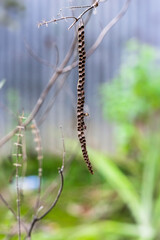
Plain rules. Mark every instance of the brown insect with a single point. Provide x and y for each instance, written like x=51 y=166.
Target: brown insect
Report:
x=81 y=95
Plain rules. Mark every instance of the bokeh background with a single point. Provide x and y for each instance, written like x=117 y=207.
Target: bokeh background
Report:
x=121 y=200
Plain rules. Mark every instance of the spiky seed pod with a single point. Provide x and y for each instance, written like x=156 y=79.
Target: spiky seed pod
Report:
x=81 y=96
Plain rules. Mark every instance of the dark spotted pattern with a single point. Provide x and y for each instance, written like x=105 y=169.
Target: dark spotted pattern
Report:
x=81 y=96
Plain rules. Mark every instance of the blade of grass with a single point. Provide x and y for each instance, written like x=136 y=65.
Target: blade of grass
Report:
x=156 y=206
x=148 y=183
x=95 y=230
x=118 y=181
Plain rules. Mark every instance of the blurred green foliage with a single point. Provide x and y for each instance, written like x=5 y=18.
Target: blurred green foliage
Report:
x=132 y=99
x=132 y=102
x=9 y=11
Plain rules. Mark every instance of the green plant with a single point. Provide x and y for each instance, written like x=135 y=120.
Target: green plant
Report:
x=132 y=99
x=132 y=102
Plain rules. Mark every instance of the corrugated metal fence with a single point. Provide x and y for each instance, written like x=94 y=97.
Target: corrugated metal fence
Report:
x=26 y=77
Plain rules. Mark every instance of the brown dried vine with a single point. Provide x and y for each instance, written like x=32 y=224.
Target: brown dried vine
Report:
x=81 y=96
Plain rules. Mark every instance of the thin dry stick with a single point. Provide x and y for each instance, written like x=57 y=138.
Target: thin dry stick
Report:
x=37 y=219
x=63 y=69
x=55 y=20
x=37 y=140
x=8 y=206
x=51 y=188
x=24 y=158
x=11 y=210
x=93 y=6
x=18 y=164
x=108 y=27
x=7 y=109
x=52 y=101
x=64 y=149
x=76 y=19
x=41 y=60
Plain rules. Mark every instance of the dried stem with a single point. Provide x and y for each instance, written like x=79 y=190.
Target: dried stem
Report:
x=8 y=206
x=37 y=219
x=37 y=140
x=108 y=27
x=18 y=164
x=24 y=158
x=52 y=101
x=94 y=5
x=55 y=20
x=11 y=210
x=64 y=150
x=41 y=60
x=76 y=19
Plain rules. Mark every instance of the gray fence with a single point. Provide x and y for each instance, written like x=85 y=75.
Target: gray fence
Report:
x=26 y=77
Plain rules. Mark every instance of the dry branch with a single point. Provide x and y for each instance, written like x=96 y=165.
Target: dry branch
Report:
x=63 y=69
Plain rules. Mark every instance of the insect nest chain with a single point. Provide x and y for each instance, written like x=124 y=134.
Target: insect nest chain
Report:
x=81 y=127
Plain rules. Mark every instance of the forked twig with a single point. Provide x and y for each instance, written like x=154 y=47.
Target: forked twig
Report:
x=76 y=19
x=36 y=218
x=55 y=20
x=52 y=101
x=41 y=60
x=94 y=5
x=101 y=36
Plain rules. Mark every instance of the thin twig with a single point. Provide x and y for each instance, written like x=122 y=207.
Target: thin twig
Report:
x=108 y=27
x=41 y=60
x=37 y=219
x=18 y=164
x=37 y=140
x=76 y=19
x=12 y=211
x=8 y=206
x=52 y=101
x=94 y=5
x=24 y=158
x=64 y=150
x=75 y=7
x=55 y=20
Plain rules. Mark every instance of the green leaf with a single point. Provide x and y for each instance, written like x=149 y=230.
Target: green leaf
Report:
x=118 y=181
x=149 y=183
x=100 y=230
x=2 y=82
